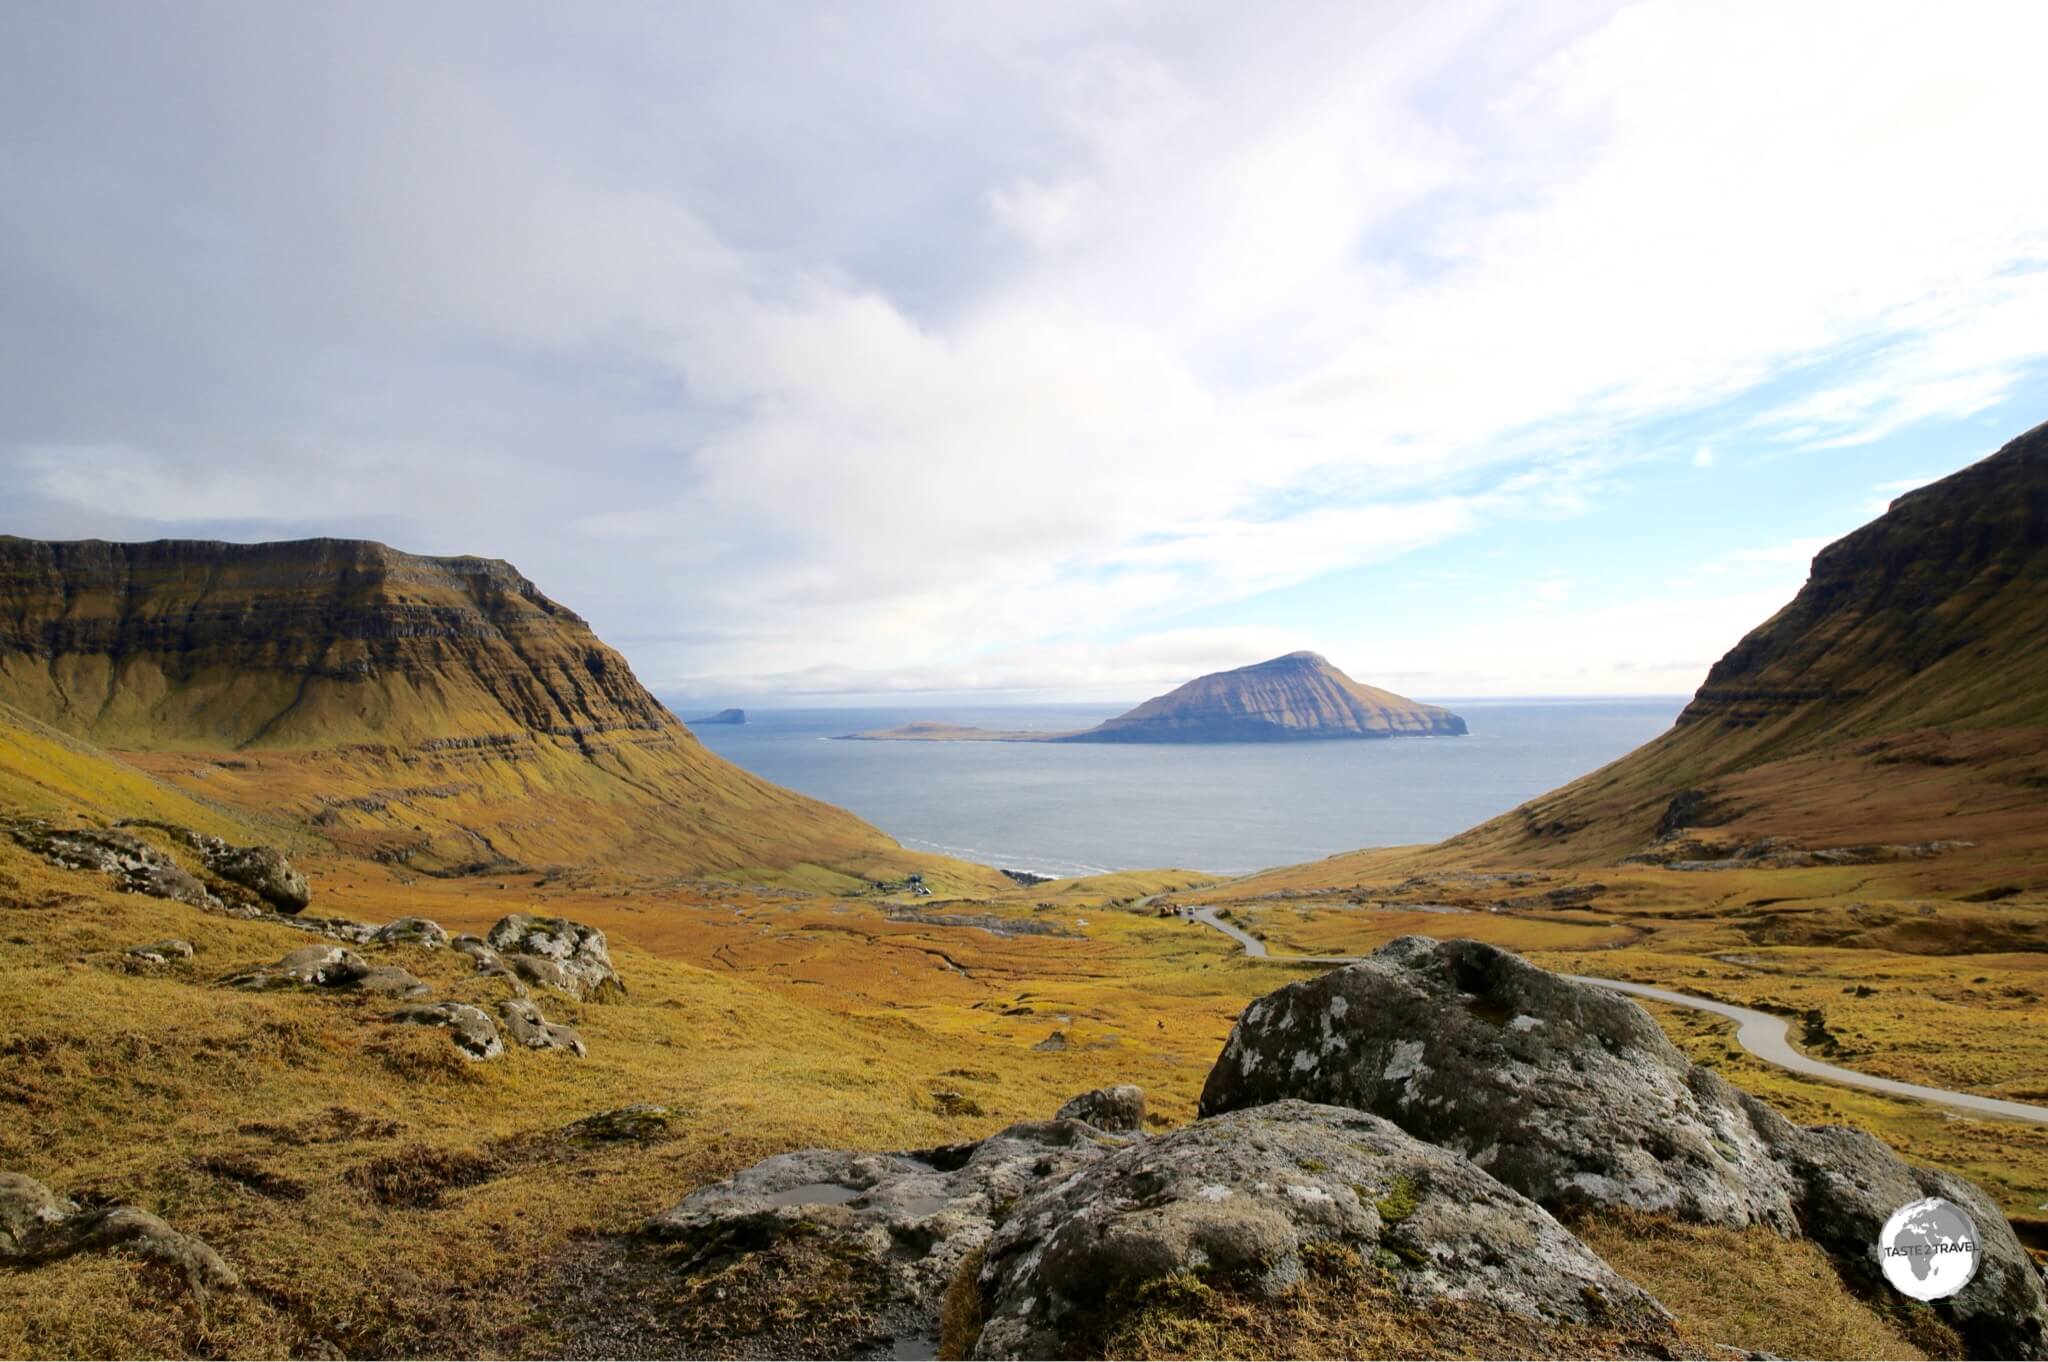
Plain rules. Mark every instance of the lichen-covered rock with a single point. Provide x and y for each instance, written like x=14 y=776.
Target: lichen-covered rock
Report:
x=639 y=1121
x=263 y=871
x=415 y=931
x=37 y=1226
x=469 y=1027
x=1568 y=1093
x=306 y=967
x=135 y=866
x=524 y=1025
x=1848 y=1183
x=1571 y=1094
x=1247 y=1201
x=902 y=1223
x=161 y=952
x=556 y=953
x=1119 y=1108
x=391 y=981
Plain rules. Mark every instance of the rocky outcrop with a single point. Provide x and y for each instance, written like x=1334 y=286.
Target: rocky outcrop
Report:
x=1252 y=1200
x=38 y=1226
x=1292 y=698
x=1119 y=1108
x=135 y=866
x=556 y=953
x=264 y=872
x=469 y=1027
x=904 y=1221
x=1570 y=1094
x=524 y=1025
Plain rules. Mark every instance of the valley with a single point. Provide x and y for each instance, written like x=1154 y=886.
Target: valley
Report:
x=555 y=972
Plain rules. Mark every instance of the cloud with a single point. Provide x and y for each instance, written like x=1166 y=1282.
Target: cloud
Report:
x=1703 y=457
x=801 y=345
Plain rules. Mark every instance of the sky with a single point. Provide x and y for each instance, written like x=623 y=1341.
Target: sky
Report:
x=939 y=352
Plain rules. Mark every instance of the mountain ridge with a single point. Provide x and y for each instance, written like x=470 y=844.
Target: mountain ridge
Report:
x=441 y=713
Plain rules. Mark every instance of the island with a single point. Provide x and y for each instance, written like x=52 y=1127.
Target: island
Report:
x=724 y=716
x=1297 y=698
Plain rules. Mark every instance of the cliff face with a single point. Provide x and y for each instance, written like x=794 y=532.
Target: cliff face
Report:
x=1296 y=697
x=298 y=644
x=440 y=713
x=1902 y=696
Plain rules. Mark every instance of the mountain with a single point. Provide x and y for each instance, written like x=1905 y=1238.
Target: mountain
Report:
x=438 y=712
x=1298 y=697
x=724 y=716
x=1900 y=698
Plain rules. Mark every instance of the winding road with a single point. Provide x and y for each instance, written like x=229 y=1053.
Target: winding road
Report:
x=1760 y=1033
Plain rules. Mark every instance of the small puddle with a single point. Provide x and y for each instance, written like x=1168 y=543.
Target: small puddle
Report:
x=815 y=1194
x=917 y=1207
x=914 y=1347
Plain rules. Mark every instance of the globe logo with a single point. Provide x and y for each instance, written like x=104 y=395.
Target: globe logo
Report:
x=1929 y=1249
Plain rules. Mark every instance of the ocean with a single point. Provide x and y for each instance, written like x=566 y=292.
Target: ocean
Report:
x=1085 y=808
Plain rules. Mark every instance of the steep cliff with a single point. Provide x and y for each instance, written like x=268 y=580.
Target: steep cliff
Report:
x=1296 y=697
x=1902 y=696
x=438 y=712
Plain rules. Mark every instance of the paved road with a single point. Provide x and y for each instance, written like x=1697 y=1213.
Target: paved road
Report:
x=1760 y=1033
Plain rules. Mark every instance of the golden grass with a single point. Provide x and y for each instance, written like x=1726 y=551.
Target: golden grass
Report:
x=1753 y=1290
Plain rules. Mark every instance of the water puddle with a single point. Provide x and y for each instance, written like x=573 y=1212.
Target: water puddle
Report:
x=917 y=1207
x=914 y=1347
x=815 y=1194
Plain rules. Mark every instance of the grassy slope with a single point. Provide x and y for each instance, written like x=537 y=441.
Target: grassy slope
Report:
x=442 y=712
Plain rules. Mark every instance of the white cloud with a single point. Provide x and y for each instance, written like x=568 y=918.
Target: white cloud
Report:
x=724 y=328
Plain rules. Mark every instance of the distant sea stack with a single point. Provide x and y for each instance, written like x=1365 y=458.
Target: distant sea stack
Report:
x=1299 y=697
x=724 y=716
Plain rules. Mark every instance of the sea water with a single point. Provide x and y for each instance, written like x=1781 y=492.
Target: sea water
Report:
x=1084 y=808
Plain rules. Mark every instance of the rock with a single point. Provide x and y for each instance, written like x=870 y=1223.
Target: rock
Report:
x=1119 y=1108
x=477 y=949
x=417 y=931
x=262 y=870
x=557 y=953
x=470 y=1028
x=37 y=1226
x=1568 y=1093
x=391 y=981
x=1053 y=1043
x=902 y=1223
x=135 y=865
x=526 y=1026
x=1848 y=1183
x=306 y=967
x=161 y=952
x=1252 y=1200
x=640 y=1121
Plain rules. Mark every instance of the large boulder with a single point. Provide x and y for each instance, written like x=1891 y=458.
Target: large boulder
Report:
x=38 y=1226
x=1568 y=1093
x=1257 y=1202
x=1119 y=1108
x=1572 y=1095
x=897 y=1225
x=263 y=871
x=556 y=953
x=469 y=1027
